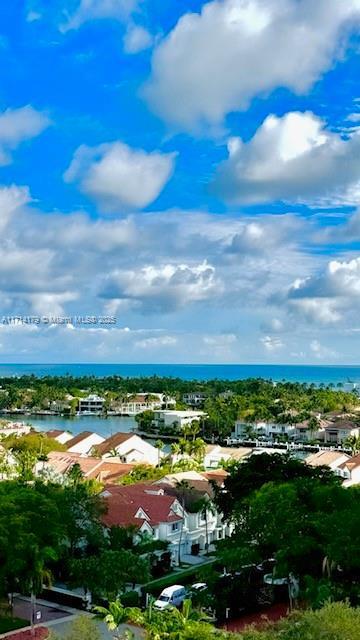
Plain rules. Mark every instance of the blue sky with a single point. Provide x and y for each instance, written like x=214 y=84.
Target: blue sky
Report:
x=191 y=168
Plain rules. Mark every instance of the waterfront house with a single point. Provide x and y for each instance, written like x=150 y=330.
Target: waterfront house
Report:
x=129 y=448
x=339 y=430
x=246 y=430
x=214 y=455
x=176 y=419
x=61 y=406
x=194 y=399
x=331 y=459
x=84 y=442
x=304 y=431
x=91 y=405
x=132 y=405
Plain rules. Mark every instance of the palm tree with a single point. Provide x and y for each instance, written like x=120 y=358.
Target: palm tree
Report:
x=204 y=506
x=175 y=451
x=115 y=616
x=183 y=488
x=248 y=432
x=159 y=446
x=75 y=474
x=197 y=448
x=353 y=442
x=194 y=429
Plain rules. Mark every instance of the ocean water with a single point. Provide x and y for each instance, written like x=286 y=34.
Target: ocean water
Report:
x=300 y=373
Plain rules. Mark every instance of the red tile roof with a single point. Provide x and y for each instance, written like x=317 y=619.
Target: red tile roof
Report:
x=110 y=471
x=92 y=468
x=125 y=501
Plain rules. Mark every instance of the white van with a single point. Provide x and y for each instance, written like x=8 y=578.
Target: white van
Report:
x=171 y=596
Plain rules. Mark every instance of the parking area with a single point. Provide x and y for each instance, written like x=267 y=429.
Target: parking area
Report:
x=44 y=612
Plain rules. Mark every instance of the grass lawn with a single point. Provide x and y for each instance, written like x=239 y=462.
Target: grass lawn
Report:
x=10 y=624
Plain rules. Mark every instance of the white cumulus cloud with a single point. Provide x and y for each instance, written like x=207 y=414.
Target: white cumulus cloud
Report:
x=97 y=10
x=294 y=159
x=137 y=39
x=163 y=288
x=216 y=61
x=17 y=126
x=117 y=176
x=11 y=200
x=324 y=297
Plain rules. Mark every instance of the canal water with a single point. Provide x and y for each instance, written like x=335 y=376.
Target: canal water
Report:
x=101 y=425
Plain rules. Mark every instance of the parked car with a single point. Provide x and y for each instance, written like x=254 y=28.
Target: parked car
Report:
x=198 y=587
x=171 y=597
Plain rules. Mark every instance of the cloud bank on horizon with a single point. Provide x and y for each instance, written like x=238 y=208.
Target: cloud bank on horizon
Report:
x=194 y=171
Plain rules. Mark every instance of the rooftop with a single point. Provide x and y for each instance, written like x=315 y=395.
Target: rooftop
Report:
x=79 y=438
x=124 y=502
x=324 y=458
x=112 y=442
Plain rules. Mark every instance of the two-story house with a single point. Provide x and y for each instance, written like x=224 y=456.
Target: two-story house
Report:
x=262 y=429
x=339 y=430
x=203 y=523
x=91 y=405
x=135 y=404
x=194 y=399
x=148 y=509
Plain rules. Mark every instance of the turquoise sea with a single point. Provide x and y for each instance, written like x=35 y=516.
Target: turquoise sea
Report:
x=301 y=373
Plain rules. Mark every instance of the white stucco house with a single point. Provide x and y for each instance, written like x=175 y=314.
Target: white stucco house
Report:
x=157 y=511
x=339 y=430
x=84 y=443
x=177 y=419
x=132 y=405
x=129 y=448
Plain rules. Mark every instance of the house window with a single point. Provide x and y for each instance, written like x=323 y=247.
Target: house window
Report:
x=174 y=526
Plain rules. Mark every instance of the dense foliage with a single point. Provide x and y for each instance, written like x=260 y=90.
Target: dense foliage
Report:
x=300 y=516
x=335 y=621
x=49 y=530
